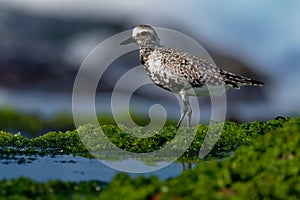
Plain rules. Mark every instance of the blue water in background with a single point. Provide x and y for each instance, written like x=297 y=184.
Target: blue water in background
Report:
x=263 y=34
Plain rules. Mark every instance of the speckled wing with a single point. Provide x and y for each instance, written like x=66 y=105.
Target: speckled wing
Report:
x=190 y=68
x=198 y=72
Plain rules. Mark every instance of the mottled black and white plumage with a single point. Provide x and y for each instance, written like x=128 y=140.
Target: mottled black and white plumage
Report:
x=181 y=72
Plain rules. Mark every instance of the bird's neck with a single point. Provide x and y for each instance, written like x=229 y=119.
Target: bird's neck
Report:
x=145 y=51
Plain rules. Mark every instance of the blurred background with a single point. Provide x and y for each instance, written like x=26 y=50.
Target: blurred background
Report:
x=42 y=44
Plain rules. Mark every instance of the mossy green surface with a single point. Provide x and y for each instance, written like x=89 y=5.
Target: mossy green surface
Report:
x=264 y=165
x=54 y=143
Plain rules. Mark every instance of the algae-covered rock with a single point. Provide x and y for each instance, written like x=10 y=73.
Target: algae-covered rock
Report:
x=69 y=142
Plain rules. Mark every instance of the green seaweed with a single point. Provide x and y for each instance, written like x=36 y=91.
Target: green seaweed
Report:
x=24 y=188
x=69 y=142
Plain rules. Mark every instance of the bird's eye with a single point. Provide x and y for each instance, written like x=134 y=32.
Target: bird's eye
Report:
x=144 y=33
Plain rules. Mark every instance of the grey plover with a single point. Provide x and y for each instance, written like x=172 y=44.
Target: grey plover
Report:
x=181 y=72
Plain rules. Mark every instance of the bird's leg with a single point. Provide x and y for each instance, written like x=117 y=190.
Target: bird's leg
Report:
x=189 y=113
x=186 y=110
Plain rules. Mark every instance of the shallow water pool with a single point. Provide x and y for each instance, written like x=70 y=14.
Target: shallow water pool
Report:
x=70 y=168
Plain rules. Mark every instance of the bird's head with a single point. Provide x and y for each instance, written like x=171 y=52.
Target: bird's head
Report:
x=144 y=36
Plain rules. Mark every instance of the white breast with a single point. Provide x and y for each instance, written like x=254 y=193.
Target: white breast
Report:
x=154 y=63
x=156 y=66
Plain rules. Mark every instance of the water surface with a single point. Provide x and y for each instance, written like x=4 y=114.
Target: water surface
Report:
x=69 y=168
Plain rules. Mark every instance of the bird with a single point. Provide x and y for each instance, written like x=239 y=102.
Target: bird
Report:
x=182 y=73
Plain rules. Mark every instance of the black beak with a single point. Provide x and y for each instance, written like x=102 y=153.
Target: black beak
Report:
x=128 y=41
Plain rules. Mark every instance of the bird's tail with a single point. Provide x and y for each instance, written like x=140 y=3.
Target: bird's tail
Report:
x=236 y=81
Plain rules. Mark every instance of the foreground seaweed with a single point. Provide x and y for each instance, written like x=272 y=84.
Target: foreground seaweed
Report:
x=24 y=188
x=268 y=169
